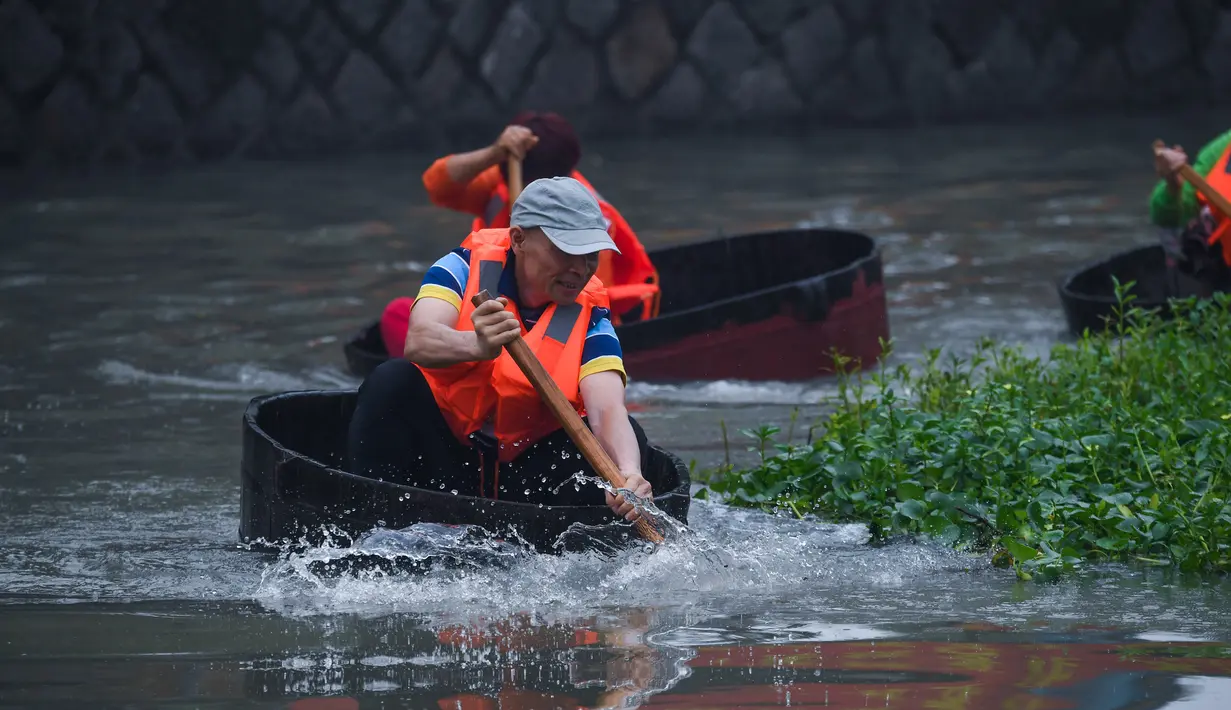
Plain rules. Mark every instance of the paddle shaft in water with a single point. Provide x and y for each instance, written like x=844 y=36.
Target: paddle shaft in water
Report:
x=1194 y=178
x=568 y=418
x=514 y=179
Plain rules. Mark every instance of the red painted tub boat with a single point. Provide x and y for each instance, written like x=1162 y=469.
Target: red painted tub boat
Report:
x=761 y=306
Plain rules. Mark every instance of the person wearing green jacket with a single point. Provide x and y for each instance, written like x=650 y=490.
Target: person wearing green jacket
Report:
x=1176 y=207
x=1174 y=202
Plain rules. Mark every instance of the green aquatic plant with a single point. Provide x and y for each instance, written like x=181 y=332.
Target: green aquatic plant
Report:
x=1114 y=447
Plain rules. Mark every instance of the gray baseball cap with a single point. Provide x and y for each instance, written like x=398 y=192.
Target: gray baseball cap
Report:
x=566 y=211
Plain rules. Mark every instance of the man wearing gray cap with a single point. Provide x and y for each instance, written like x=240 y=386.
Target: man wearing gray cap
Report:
x=457 y=414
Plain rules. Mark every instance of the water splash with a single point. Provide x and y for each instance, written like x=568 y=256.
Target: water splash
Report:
x=846 y=213
x=723 y=553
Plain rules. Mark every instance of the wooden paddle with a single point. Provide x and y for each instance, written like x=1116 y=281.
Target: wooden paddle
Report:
x=514 y=179
x=1195 y=179
x=568 y=418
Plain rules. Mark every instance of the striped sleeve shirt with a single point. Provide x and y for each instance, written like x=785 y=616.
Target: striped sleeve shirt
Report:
x=446 y=280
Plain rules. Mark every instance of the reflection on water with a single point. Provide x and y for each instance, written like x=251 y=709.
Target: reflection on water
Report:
x=631 y=657
x=140 y=313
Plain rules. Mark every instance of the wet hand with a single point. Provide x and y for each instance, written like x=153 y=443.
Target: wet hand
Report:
x=494 y=327
x=514 y=142
x=635 y=483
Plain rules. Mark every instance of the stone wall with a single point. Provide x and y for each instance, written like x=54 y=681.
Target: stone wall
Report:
x=151 y=80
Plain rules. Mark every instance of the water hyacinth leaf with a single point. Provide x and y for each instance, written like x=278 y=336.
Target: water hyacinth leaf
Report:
x=845 y=471
x=950 y=534
x=1204 y=426
x=1049 y=496
x=1020 y=552
x=935 y=524
x=1109 y=543
x=1035 y=512
x=912 y=509
x=1097 y=441
x=909 y=490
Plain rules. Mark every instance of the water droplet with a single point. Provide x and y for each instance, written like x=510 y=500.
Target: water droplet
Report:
x=442 y=486
x=553 y=467
x=526 y=492
x=454 y=491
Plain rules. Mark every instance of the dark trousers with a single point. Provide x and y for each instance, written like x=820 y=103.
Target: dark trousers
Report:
x=1198 y=269
x=398 y=434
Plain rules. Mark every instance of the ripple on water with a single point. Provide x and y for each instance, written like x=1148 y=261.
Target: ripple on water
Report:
x=732 y=392
x=23 y=280
x=241 y=379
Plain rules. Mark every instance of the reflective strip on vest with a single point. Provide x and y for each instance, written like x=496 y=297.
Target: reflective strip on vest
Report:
x=489 y=277
x=562 y=322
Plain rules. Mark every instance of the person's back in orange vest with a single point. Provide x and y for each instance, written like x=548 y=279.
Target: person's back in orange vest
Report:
x=476 y=183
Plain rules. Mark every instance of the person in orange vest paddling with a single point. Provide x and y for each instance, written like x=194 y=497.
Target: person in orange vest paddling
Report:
x=1201 y=245
x=456 y=413
x=476 y=183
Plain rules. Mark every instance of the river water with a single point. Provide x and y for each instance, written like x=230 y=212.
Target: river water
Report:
x=141 y=312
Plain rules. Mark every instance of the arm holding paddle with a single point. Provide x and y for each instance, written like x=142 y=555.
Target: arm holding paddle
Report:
x=1167 y=162
x=1172 y=202
x=433 y=339
x=603 y=393
x=513 y=142
x=1175 y=161
x=465 y=181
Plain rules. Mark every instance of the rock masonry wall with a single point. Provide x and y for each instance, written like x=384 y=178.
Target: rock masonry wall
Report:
x=87 y=81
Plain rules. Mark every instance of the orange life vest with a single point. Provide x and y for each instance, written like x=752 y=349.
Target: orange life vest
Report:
x=630 y=276
x=473 y=395
x=1220 y=181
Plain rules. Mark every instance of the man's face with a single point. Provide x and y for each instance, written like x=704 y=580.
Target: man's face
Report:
x=549 y=272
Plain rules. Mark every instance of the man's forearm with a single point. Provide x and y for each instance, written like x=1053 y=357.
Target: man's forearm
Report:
x=464 y=167
x=614 y=431
x=437 y=345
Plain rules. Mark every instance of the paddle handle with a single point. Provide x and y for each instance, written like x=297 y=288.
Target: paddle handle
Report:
x=515 y=181
x=1198 y=182
x=568 y=417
